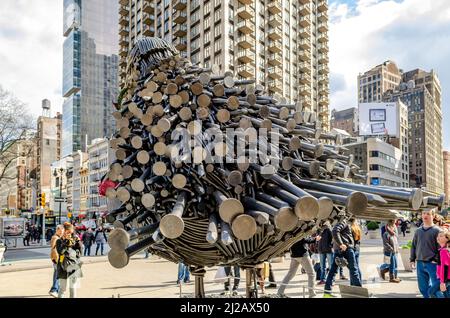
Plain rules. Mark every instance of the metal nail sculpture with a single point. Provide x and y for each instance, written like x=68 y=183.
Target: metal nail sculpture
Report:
x=184 y=206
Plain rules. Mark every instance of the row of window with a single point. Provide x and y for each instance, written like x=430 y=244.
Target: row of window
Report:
x=384 y=182
x=386 y=170
x=382 y=155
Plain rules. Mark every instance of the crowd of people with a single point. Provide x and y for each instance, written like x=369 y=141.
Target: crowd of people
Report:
x=321 y=256
x=33 y=234
x=325 y=254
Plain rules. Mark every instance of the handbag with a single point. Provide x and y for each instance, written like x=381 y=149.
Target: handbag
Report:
x=221 y=276
x=70 y=263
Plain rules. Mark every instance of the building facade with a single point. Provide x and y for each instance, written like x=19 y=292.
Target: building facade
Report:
x=375 y=82
x=61 y=186
x=78 y=159
x=346 y=119
x=447 y=175
x=281 y=44
x=421 y=92
x=48 y=147
x=90 y=66
x=84 y=187
x=16 y=187
x=69 y=192
x=380 y=160
x=100 y=158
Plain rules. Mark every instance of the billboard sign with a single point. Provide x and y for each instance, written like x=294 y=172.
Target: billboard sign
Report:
x=12 y=227
x=379 y=119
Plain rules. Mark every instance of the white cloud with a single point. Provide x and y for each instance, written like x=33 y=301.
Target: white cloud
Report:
x=413 y=33
x=31 y=43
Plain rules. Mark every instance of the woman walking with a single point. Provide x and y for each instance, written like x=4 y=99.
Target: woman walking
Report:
x=356 y=232
x=69 y=264
x=100 y=240
x=390 y=247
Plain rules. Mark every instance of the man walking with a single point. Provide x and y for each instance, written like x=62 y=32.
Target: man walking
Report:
x=300 y=256
x=344 y=252
x=325 y=249
x=404 y=227
x=88 y=240
x=54 y=256
x=424 y=253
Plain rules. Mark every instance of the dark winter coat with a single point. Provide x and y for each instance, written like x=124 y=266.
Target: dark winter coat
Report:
x=301 y=248
x=64 y=247
x=325 y=245
x=88 y=238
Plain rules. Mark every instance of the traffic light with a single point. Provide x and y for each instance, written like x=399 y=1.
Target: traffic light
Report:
x=41 y=200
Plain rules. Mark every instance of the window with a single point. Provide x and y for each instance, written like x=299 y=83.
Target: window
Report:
x=217 y=59
x=207 y=51
x=217 y=16
x=195 y=30
x=217 y=46
x=217 y=30
x=207 y=37
x=207 y=8
x=206 y=22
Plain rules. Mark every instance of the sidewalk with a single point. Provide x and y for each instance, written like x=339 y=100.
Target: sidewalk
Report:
x=35 y=264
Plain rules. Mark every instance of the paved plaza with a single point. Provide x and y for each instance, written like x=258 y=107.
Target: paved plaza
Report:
x=156 y=278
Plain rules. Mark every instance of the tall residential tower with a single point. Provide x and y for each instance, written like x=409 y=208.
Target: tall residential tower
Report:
x=282 y=44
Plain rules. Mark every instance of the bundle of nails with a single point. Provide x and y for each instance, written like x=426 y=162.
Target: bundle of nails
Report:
x=189 y=196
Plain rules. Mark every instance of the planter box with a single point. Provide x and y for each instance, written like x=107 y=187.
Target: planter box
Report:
x=374 y=234
x=404 y=255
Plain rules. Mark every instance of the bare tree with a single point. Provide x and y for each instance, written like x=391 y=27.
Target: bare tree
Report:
x=16 y=125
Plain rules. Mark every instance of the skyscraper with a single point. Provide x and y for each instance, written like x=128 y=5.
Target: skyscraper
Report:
x=421 y=92
x=281 y=44
x=447 y=174
x=89 y=71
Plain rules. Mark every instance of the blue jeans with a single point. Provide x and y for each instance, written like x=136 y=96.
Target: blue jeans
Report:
x=237 y=277
x=428 y=281
x=357 y=264
x=324 y=258
x=87 y=250
x=349 y=255
x=99 y=245
x=447 y=293
x=183 y=272
x=393 y=266
x=55 y=286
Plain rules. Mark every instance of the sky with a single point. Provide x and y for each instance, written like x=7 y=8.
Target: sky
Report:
x=363 y=33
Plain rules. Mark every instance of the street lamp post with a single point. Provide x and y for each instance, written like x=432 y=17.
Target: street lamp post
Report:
x=60 y=191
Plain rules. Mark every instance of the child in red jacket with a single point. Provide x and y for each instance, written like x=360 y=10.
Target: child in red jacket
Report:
x=443 y=268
